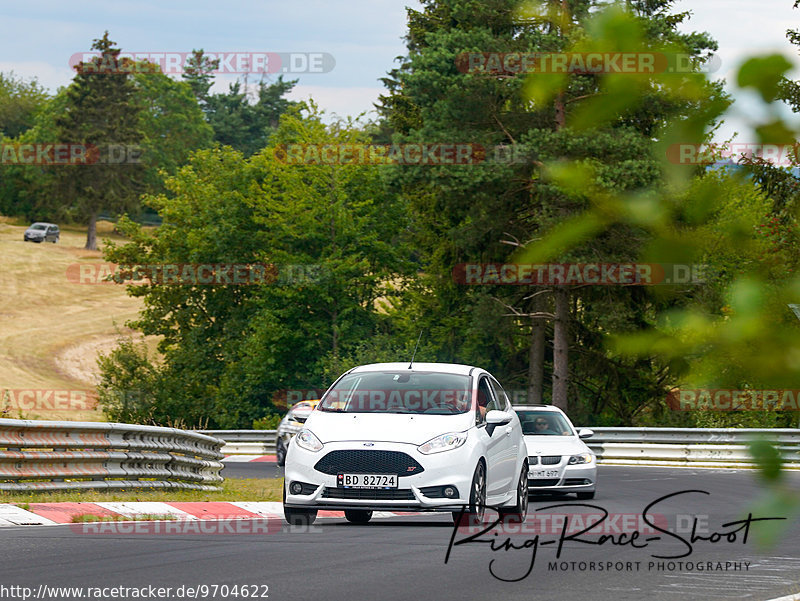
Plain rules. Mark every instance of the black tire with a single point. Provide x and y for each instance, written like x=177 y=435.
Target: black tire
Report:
x=296 y=516
x=477 y=498
x=357 y=516
x=585 y=496
x=519 y=510
x=280 y=452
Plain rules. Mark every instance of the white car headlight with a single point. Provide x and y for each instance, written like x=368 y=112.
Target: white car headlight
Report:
x=307 y=440
x=582 y=458
x=445 y=442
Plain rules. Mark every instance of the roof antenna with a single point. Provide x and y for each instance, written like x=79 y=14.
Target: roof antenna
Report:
x=415 y=349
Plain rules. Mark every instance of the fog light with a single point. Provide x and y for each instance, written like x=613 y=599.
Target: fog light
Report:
x=450 y=492
x=295 y=488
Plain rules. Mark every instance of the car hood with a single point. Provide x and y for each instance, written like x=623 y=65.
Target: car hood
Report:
x=385 y=427
x=39 y=232
x=555 y=445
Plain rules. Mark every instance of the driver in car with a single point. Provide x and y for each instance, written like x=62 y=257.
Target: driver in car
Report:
x=542 y=426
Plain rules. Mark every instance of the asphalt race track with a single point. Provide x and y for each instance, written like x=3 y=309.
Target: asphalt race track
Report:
x=403 y=557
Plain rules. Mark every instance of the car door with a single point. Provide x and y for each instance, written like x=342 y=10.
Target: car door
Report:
x=496 y=446
x=513 y=434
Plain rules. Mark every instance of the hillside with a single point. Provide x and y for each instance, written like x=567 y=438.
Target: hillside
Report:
x=51 y=329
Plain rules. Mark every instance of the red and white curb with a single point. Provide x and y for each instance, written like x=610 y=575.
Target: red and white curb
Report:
x=40 y=514
x=249 y=458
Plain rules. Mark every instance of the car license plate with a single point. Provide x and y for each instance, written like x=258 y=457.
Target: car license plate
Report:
x=543 y=474
x=367 y=480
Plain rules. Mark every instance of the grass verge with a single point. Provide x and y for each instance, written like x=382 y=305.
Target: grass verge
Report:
x=247 y=489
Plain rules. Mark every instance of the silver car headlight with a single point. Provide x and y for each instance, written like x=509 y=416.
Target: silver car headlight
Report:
x=306 y=440
x=445 y=442
x=582 y=458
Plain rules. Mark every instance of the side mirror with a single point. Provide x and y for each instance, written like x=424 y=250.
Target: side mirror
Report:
x=496 y=418
x=585 y=433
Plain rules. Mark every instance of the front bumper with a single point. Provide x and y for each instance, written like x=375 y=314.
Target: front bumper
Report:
x=321 y=491
x=567 y=478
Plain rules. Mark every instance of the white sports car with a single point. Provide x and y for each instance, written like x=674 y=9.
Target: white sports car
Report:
x=397 y=436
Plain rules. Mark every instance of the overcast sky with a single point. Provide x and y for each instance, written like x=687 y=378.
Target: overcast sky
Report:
x=362 y=36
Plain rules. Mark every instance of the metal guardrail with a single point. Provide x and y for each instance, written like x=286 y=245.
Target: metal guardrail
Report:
x=698 y=447
x=696 y=435
x=245 y=442
x=51 y=455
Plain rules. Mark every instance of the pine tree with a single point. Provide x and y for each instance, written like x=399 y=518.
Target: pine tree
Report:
x=490 y=212
x=102 y=113
x=199 y=74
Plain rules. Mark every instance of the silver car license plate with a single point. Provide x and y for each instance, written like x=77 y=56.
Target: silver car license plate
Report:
x=543 y=474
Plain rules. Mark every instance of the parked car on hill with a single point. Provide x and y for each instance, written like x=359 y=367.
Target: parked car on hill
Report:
x=42 y=232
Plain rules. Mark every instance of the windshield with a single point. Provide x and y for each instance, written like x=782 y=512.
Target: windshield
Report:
x=400 y=392
x=38 y=226
x=544 y=423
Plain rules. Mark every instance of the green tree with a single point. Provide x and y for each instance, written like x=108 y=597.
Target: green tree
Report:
x=199 y=74
x=243 y=125
x=127 y=388
x=20 y=101
x=27 y=190
x=172 y=125
x=487 y=213
x=102 y=110
x=332 y=233
x=736 y=332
